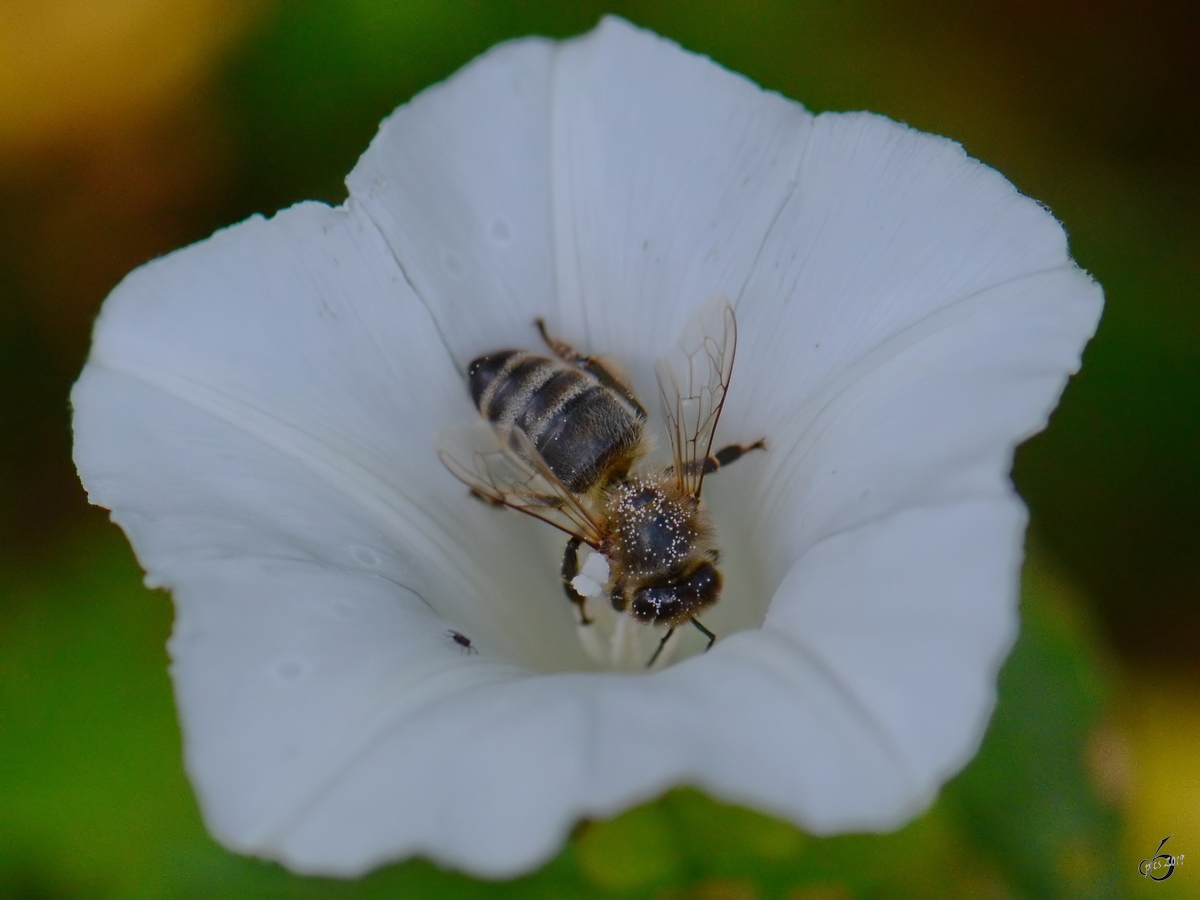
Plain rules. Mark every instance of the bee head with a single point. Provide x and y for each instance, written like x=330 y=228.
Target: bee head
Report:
x=678 y=599
x=483 y=371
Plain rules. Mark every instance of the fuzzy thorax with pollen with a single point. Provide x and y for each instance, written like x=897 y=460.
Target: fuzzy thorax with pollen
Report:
x=651 y=531
x=643 y=579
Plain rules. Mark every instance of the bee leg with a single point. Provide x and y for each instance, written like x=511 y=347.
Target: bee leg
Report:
x=711 y=637
x=570 y=568
x=562 y=349
x=569 y=354
x=726 y=455
x=663 y=643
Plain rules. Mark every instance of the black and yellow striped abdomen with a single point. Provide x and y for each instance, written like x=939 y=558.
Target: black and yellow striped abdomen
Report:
x=587 y=432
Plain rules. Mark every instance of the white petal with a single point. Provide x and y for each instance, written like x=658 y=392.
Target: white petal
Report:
x=301 y=334
x=458 y=182
x=888 y=361
x=907 y=618
x=668 y=173
x=886 y=226
x=259 y=412
x=812 y=718
x=784 y=723
x=893 y=365
x=928 y=417
x=608 y=183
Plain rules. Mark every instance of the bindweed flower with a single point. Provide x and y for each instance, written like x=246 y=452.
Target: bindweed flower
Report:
x=369 y=664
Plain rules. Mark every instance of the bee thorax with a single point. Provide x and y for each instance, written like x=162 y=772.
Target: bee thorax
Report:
x=652 y=533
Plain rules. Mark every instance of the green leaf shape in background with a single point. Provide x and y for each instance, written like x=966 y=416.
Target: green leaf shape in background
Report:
x=1027 y=797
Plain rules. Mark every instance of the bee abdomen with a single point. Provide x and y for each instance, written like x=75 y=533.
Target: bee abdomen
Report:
x=586 y=437
x=501 y=383
x=582 y=429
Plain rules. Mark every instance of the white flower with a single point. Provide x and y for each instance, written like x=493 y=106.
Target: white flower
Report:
x=259 y=412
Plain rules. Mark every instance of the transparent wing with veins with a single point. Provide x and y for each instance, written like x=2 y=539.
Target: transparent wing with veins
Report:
x=692 y=381
x=505 y=468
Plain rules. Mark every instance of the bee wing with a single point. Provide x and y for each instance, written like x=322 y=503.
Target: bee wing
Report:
x=692 y=380
x=505 y=468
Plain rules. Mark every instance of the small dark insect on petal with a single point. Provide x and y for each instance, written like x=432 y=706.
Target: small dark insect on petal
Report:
x=462 y=640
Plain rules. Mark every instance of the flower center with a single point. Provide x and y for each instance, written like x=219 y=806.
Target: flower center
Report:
x=615 y=639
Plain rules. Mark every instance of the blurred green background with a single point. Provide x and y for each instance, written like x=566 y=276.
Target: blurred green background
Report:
x=131 y=127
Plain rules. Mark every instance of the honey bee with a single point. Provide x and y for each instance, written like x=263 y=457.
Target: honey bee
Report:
x=567 y=444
